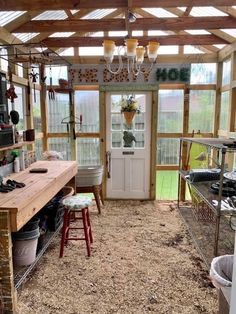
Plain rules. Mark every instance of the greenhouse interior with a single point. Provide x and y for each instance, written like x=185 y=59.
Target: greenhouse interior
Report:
x=117 y=157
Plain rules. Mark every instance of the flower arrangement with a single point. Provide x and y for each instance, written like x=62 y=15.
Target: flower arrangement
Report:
x=129 y=105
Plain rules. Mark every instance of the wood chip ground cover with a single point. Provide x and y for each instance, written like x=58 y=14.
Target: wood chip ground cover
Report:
x=143 y=261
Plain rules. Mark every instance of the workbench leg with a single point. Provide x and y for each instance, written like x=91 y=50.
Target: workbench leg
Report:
x=217 y=231
x=8 y=293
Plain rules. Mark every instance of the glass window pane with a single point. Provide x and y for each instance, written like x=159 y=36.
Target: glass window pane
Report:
x=139 y=137
x=201 y=110
x=168 y=151
x=58 y=109
x=37 y=112
x=61 y=145
x=39 y=149
x=116 y=121
x=224 y=111
x=203 y=73
x=88 y=151
x=139 y=121
x=87 y=109
x=18 y=105
x=55 y=73
x=170 y=111
x=226 y=72
x=116 y=139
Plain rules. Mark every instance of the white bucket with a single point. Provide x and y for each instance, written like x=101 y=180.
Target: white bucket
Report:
x=89 y=176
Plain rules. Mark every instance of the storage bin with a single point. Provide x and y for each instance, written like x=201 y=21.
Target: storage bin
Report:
x=89 y=176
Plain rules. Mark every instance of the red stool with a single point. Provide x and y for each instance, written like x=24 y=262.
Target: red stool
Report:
x=73 y=205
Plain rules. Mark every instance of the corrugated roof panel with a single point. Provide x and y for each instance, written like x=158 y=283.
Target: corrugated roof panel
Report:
x=67 y=52
x=88 y=51
x=231 y=31
x=62 y=34
x=158 y=12
x=51 y=15
x=24 y=37
x=98 y=14
x=197 y=31
x=96 y=34
x=137 y=33
x=206 y=11
x=189 y=49
x=219 y=46
x=8 y=16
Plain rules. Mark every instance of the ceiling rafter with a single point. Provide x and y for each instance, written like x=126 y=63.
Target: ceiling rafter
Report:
x=163 y=40
x=175 y=24
x=25 y=5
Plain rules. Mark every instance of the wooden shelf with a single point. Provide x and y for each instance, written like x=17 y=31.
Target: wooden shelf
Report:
x=17 y=145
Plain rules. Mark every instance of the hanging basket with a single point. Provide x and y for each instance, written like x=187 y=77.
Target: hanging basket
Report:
x=129 y=116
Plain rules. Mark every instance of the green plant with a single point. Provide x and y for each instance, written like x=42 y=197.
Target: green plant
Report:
x=129 y=104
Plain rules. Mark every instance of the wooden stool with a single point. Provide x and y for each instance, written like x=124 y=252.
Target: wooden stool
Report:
x=97 y=192
x=76 y=204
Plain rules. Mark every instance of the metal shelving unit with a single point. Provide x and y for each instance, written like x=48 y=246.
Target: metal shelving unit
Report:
x=202 y=189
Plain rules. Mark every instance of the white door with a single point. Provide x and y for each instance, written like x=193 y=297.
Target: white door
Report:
x=128 y=162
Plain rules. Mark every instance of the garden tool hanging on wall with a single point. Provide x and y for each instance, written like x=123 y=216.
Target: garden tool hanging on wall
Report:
x=71 y=122
x=10 y=92
x=51 y=91
x=34 y=76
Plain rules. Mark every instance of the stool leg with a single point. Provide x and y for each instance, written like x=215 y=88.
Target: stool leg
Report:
x=101 y=195
x=86 y=227
x=96 y=192
x=89 y=225
x=66 y=220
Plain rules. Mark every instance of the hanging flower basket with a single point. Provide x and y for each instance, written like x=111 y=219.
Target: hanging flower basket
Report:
x=129 y=116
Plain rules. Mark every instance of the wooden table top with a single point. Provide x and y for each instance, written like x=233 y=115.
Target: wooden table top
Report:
x=24 y=203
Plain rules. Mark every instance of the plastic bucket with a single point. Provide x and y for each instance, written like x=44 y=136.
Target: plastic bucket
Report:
x=25 y=246
x=89 y=175
x=31 y=225
x=221 y=271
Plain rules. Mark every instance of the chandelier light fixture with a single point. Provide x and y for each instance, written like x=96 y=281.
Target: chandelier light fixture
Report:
x=133 y=53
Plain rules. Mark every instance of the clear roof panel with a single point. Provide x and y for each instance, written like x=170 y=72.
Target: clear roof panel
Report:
x=197 y=31
x=24 y=37
x=219 y=46
x=96 y=34
x=118 y=33
x=158 y=12
x=137 y=33
x=67 y=52
x=91 y=51
x=61 y=34
x=74 y=11
x=206 y=11
x=231 y=31
x=51 y=15
x=168 y=50
x=189 y=49
x=158 y=33
x=8 y=16
x=98 y=14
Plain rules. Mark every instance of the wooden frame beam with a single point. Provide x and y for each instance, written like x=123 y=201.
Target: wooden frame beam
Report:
x=164 y=24
x=6 y=5
x=163 y=40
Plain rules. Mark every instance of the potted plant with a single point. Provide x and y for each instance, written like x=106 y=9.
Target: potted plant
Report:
x=129 y=107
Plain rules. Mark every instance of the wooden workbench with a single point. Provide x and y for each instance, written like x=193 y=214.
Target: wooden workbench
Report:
x=19 y=206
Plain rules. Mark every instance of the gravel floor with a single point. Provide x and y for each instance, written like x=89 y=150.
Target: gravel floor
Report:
x=143 y=261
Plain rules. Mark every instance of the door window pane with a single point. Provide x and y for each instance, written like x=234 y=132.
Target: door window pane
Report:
x=224 y=110
x=201 y=110
x=139 y=137
x=116 y=139
x=116 y=120
x=170 y=111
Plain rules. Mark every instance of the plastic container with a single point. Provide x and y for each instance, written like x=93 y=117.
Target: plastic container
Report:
x=22 y=160
x=221 y=271
x=16 y=165
x=25 y=246
x=89 y=175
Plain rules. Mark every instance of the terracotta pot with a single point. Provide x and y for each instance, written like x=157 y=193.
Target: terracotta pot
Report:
x=129 y=116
